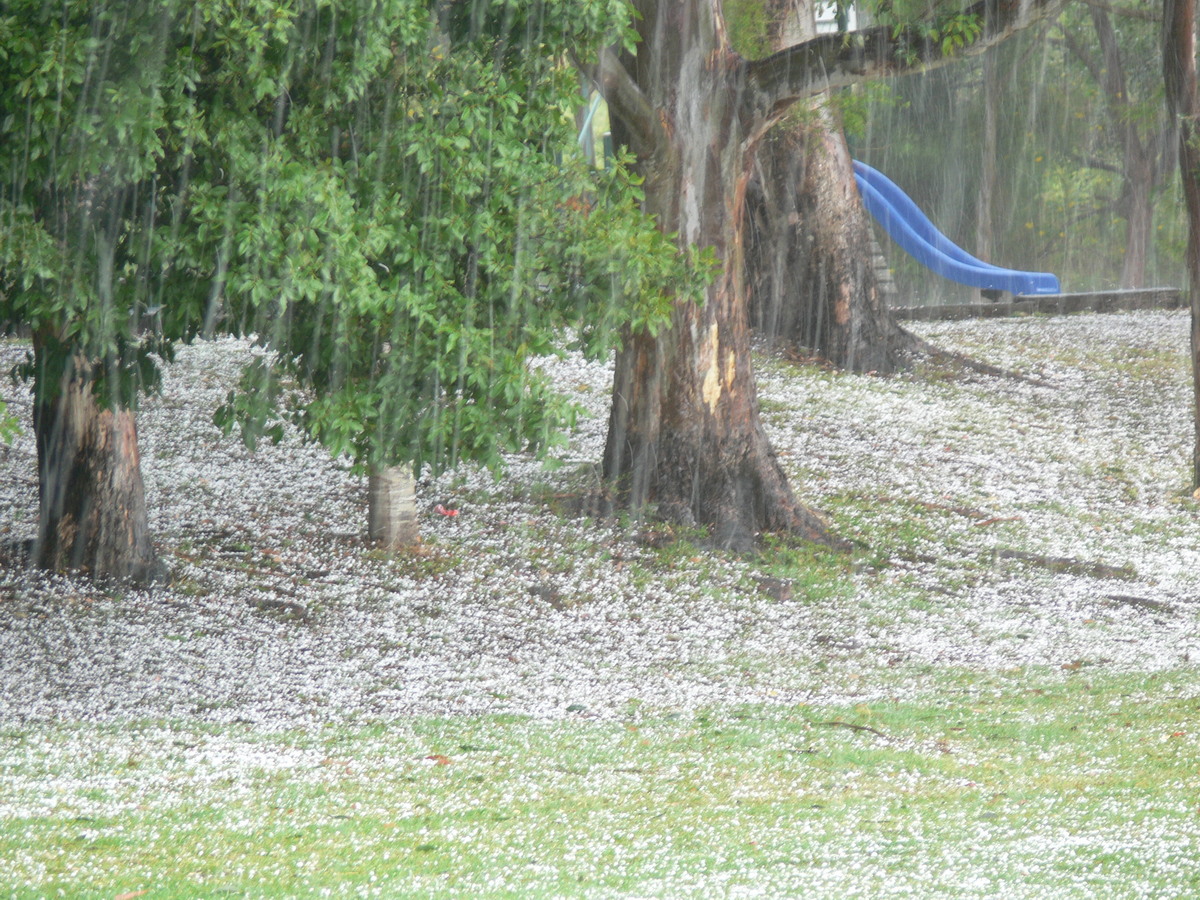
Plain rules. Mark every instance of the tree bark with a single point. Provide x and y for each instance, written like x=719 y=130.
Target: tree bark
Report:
x=1179 y=77
x=809 y=258
x=392 y=509
x=1137 y=208
x=684 y=428
x=810 y=268
x=92 y=507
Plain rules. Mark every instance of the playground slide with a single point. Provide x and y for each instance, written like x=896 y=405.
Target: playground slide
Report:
x=912 y=230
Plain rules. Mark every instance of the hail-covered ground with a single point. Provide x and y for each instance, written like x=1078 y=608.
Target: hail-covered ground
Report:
x=1000 y=523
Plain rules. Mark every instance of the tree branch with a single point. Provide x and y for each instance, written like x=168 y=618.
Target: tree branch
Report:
x=1126 y=12
x=838 y=60
x=1081 y=50
x=1094 y=162
x=626 y=101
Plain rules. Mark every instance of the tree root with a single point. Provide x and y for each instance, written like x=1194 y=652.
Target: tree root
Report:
x=1069 y=565
x=918 y=346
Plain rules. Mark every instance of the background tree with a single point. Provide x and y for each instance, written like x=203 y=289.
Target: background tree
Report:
x=1118 y=55
x=372 y=190
x=810 y=274
x=1183 y=102
x=1050 y=152
x=685 y=428
x=84 y=157
x=446 y=241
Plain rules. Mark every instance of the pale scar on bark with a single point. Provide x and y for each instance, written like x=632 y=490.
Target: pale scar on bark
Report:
x=712 y=378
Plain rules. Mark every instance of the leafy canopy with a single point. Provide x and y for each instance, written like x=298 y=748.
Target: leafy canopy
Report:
x=381 y=192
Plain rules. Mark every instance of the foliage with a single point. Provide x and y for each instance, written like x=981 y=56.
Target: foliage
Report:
x=376 y=194
x=855 y=106
x=749 y=26
x=955 y=32
x=83 y=120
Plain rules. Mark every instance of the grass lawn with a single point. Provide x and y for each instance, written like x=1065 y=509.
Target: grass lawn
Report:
x=1022 y=784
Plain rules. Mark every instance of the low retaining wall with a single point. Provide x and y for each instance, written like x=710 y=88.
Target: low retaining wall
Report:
x=1048 y=304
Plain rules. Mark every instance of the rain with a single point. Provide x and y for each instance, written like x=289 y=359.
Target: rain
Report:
x=271 y=253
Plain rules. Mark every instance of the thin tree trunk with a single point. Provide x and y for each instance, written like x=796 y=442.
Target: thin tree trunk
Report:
x=985 y=238
x=1138 y=210
x=1137 y=164
x=1179 y=76
x=392 y=509
x=92 y=507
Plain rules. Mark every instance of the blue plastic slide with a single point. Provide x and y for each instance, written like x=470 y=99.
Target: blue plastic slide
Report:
x=912 y=230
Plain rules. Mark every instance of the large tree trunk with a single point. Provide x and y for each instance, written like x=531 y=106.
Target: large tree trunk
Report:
x=809 y=253
x=810 y=267
x=92 y=507
x=1179 y=76
x=685 y=427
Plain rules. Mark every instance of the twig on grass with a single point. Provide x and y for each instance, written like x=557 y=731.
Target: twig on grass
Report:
x=1159 y=606
x=853 y=727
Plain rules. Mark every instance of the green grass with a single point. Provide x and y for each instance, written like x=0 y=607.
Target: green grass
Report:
x=1037 y=784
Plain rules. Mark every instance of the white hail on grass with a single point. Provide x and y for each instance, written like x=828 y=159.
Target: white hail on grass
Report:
x=281 y=616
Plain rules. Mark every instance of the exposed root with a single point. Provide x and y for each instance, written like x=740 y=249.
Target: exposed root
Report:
x=1070 y=565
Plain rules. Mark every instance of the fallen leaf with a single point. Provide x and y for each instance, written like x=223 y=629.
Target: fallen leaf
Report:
x=130 y=895
x=438 y=760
